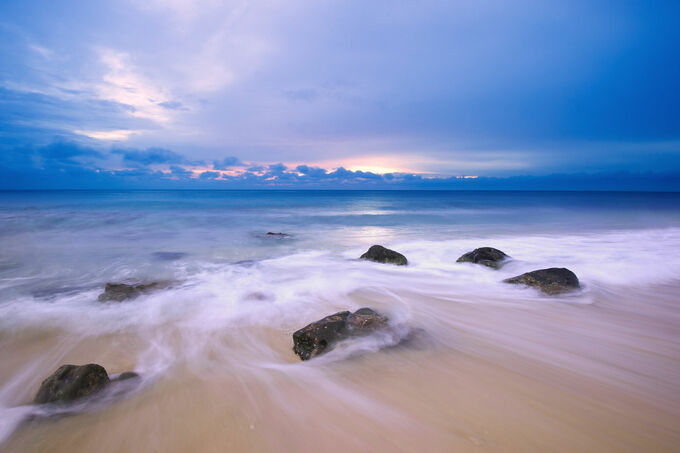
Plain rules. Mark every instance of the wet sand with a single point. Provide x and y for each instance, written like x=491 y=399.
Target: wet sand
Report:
x=482 y=375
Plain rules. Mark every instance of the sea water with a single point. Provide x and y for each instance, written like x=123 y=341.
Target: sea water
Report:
x=491 y=366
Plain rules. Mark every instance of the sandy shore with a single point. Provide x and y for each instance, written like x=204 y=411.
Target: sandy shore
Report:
x=544 y=376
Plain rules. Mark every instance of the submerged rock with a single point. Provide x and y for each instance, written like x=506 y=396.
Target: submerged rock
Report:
x=71 y=382
x=121 y=291
x=488 y=256
x=320 y=336
x=380 y=254
x=554 y=280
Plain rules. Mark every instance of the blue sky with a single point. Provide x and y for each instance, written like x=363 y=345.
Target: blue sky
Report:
x=185 y=93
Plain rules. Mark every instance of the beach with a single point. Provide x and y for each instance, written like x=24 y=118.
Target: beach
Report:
x=471 y=363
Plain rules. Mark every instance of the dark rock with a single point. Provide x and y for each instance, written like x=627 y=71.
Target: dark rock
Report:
x=320 y=336
x=365 y=320
x=488 y=256
x=125 y=376
x=380 y=254
x=71 y=382
x=121 y=291
x=281 y=235
x=554 y=280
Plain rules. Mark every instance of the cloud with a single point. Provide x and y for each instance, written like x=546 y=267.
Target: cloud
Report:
x=180 y=172
x=121 y=83
x=150 y=156
x=314 y=172
x=209 y=175
x=69 y=165
x=227 y=163
x=115 y=135
x=66 y=152
x=276 y=169
x=172 y=105
x=414 y=85
x=42 y=51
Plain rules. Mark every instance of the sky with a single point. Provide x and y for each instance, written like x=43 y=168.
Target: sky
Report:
x=340 y=94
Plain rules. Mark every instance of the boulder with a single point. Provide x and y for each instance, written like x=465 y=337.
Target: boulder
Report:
x=121 y=291
x=554 y=280
x=380 y=254
x=320 y=336
x=487 y=256
x=71 y=382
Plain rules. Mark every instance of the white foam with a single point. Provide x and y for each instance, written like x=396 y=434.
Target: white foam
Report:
x=182 y=323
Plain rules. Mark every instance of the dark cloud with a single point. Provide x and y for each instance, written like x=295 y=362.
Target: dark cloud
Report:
x=34 y=119
x=56 y=156
x=276 y=169
x=150 y=156
x=226 y=163
x=180 y=172
x=209 y=175
x=314 y=172
x=70 y=165
x=67 y=152
x=135 y=172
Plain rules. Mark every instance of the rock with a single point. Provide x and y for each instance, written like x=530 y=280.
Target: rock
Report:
x=121 y=291
x=380 y=254
x=488 y=256
x=554 y=280
x=71 y=382
x=281 y=235
x=320 y=336
x=125 y=376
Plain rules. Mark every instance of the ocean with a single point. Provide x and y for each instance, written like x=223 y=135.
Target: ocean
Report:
x=473 y=363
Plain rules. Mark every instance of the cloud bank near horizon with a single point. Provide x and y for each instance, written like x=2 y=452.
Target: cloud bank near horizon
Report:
x=66 y=165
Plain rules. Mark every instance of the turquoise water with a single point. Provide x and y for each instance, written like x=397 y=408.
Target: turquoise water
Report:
x=58 y=239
